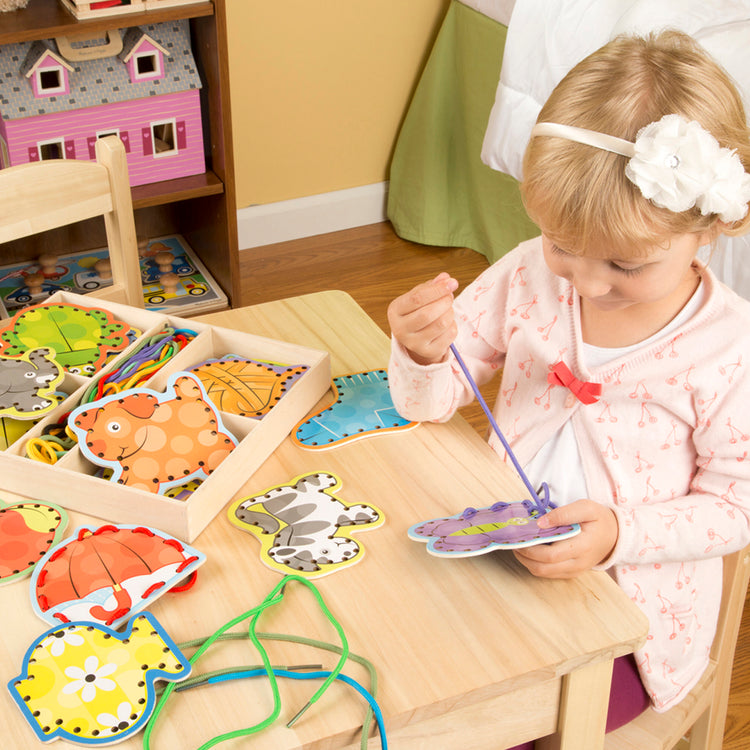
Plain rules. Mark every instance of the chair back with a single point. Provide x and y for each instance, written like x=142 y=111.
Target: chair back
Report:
x=40 y=196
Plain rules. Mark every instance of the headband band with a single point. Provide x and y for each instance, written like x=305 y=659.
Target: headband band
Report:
x=675 y=164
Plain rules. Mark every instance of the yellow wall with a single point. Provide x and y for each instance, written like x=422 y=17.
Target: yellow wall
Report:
x=319 y=89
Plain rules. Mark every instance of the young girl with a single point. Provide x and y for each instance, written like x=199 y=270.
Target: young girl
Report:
x=624 y=361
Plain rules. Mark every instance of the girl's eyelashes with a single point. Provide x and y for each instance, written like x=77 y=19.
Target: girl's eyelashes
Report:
x=628 y=271
x=624 y=270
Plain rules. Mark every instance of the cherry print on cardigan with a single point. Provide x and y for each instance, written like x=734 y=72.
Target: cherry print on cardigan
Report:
x=609 y=450
x=651 y=491
x=650 y=546
x=525 y=308
x=617 y=497
x=686 y=384
x=671 y=440
x=642 y=463
x=605 y=415
x=670 y=345
x=730 y=496
x=641 y=388
x=474 y=322
x=480 y=290
x=545 y=330
x=666 y=604
x=731 y=369
x=646 y=415
x=639 y=598
x=706 y=404
x=569 y=295
x=615 y=377
x=683 y=579
x=735 y=434
x=717 y=539
x=518 y=277
x=726 y=505
x=509 y=392
x=669 y=520
x=544 y=399
x=525 y=366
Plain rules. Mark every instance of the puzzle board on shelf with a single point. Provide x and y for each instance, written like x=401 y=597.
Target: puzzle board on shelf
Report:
x=74 y=481
x=194 y=291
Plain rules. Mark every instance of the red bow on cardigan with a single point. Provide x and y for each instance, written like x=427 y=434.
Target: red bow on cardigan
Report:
x=586 y=393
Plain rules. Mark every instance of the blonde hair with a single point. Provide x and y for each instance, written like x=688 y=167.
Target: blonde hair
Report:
x=579 y=195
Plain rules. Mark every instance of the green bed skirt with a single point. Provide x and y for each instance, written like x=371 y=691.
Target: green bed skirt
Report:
x=441 y=193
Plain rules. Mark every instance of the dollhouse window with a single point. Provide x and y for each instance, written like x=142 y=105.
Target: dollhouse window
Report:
x=50 y=81
x=143 y=56
x=147 y=64
x=164 y=138
x=54 y=149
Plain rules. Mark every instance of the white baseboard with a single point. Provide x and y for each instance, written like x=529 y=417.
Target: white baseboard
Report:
x=314 y=214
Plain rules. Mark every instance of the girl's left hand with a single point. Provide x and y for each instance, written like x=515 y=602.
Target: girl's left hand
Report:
x=570 y=557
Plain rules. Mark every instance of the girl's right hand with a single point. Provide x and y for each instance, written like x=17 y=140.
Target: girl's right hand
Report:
x=422 y=320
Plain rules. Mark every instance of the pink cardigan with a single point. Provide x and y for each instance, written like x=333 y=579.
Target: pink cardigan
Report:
x=665 y=443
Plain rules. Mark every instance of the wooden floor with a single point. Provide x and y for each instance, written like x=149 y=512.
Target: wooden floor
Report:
x=374 y=265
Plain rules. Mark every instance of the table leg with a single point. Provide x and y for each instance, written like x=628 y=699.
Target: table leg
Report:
x=584 y=700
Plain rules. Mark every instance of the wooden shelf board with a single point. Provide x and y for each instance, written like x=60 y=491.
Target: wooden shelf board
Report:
x=172 y=191
x=48 y=18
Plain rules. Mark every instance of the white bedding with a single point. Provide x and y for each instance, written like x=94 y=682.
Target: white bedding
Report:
x=546 y=39
x=498 y=10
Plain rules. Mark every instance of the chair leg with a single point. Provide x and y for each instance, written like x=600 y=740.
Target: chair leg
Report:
x=707 y=733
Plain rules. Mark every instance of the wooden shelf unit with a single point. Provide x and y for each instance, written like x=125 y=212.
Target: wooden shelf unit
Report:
x=202 y=208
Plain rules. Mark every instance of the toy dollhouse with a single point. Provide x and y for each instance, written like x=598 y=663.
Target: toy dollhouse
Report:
x=58 y=96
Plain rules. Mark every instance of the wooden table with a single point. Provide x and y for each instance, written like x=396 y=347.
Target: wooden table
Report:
x=470 y=653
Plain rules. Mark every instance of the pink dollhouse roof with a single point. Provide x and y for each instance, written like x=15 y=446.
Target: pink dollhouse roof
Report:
x=134 y=39
x=38 y=52
x=96 y=82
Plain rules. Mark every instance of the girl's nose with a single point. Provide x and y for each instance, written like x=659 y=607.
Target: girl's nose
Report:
x=590 y=284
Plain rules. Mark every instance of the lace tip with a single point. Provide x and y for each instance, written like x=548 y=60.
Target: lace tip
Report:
x=298 y=714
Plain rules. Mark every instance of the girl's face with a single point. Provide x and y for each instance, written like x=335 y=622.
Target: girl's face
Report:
x=662 y=277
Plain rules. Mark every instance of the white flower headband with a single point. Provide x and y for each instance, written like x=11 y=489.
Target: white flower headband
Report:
x=675 y=164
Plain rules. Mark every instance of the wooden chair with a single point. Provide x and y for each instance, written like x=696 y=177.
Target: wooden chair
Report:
x=703 y=712
x=43 y=195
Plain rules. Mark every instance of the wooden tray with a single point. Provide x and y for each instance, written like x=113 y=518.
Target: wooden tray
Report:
x=71 y=482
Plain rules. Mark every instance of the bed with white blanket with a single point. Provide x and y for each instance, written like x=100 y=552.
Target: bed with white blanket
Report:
x=454 y=173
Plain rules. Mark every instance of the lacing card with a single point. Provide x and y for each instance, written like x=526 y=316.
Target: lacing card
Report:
x=28 y=531
x=82 y=338
x=303 y=527
x=363 y=408
x=247 y=387
x=502 y=525
x=89 y=684
x=28 y=384
x=153 y=441
x=478 y=531
x=107 y=574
